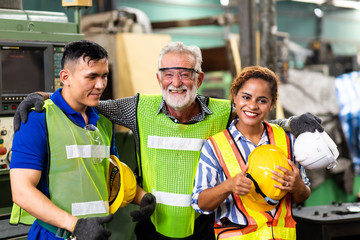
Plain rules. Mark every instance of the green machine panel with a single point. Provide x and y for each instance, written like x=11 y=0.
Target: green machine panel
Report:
x=37 y=26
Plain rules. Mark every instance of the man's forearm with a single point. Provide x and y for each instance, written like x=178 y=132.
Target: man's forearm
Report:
x=28 y=197
x=284 y=123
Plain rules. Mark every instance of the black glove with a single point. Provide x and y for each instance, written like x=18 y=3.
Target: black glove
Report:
x=21 y=114
x=92 y=228
x=306 y=122
x=147 y=207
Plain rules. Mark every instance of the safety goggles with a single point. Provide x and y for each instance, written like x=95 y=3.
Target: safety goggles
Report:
x=182 y=73
x=97 y=150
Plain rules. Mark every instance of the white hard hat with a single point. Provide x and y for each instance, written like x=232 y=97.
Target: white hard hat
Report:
x=315 y=150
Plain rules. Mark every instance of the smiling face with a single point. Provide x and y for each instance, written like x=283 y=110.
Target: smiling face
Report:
x=84 y=82
x=253 y=102
x=178 y=93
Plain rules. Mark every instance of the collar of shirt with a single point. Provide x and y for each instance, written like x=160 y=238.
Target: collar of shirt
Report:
x=237 y=135
x=202 y=100
x=76 y=117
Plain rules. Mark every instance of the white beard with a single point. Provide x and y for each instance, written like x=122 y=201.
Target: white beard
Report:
x=179 y=103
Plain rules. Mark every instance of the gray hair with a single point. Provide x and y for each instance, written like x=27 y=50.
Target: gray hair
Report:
x=179 y=47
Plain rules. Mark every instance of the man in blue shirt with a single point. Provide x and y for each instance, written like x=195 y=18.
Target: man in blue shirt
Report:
x=59 y=168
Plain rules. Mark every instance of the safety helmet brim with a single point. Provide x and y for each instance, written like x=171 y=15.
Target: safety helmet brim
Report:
x=122 y=184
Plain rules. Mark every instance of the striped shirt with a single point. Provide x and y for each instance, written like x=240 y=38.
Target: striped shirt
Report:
x=210 y=174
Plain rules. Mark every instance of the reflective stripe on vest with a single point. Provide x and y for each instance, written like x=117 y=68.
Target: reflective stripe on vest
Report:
x=174 y=143
x=259 y=225
x=77 y=179
x=169 y=155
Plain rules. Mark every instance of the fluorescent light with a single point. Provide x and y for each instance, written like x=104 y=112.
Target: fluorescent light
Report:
x=224 y=2
x=346 y=4
x=319 y=2
x=336 y=3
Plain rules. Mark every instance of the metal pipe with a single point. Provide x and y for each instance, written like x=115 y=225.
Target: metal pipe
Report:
x=77 y=18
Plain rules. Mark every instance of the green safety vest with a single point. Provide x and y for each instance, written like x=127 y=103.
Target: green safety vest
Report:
x=77 y=182
x=169 y=155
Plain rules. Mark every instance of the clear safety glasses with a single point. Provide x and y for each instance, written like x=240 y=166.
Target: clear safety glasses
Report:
x=183 y=73
x=98 y=151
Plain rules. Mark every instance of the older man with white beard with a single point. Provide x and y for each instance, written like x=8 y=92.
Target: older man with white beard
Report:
x=169 y=131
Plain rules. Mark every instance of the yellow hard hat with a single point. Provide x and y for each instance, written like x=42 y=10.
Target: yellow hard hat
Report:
x=121 y=185
x=263 y=196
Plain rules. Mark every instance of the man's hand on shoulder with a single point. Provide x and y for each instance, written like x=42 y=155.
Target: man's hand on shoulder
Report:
x=36 y=100
x=306 y=122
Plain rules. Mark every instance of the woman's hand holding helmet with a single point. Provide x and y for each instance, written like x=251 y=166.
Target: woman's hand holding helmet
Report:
x=290 y=180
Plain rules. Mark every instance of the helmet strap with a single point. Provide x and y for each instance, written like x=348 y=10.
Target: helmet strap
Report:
x=269 y=200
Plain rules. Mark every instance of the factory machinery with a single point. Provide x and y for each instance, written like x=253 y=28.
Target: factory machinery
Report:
x=31 y=47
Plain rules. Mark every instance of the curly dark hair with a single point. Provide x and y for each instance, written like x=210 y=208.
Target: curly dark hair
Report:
x=255 y=72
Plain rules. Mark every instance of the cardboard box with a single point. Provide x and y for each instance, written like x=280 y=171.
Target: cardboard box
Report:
x=80 y=3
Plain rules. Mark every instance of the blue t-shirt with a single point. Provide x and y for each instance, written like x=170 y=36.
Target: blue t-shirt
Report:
x=29 y=147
